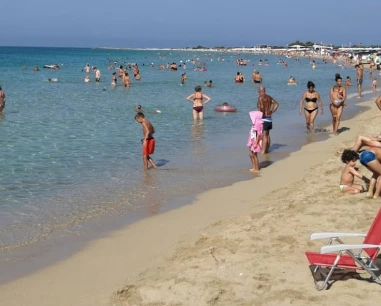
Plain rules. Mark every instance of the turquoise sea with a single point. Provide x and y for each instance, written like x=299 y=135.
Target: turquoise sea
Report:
x=70 y=151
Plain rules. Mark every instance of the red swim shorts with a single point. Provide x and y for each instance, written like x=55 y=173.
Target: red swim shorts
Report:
x=149 y=147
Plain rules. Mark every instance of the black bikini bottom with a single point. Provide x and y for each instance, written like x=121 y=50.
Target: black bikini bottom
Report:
x=310 y=110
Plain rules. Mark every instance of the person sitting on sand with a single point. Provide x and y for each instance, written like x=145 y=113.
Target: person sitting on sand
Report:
x=349 y=158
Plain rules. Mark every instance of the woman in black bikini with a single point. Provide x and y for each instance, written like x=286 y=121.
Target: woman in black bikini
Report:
x=311 y=97
x=197 y=98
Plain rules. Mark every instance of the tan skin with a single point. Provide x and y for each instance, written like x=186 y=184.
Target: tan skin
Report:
x=360 y=74
x=126 y=80
x=337 y=92
x=378 y=102
x=239 y=78
x=310 y=116
x=374 y=166
x=257 y=77
x=2 y=100
x=347 y=178
x=197 y=98
x=268 y=106
x=148 y=131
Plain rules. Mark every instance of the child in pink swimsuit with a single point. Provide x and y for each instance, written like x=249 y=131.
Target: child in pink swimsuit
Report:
x=254 y=141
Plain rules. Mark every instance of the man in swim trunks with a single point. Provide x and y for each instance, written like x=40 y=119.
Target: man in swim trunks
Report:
x=97 y=73
x=148 y=141
x=268 y=106
x=2 y=100
x=257 y=78
x=360 y=73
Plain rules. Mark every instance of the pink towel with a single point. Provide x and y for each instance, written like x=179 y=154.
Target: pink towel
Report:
x=254 y=141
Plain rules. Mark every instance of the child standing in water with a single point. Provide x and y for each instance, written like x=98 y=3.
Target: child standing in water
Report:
x=374 y=85
x=148 y=141
x=349 y=158
x=255 y=139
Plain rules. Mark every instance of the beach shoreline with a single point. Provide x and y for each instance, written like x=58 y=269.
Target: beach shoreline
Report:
x=89 y=276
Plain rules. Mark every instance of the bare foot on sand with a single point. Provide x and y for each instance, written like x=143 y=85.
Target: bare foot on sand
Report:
x=254 y=171
x=369 y=195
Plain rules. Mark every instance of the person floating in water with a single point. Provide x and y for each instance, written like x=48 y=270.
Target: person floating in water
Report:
x=197 y=98
x=139 y=109
x=148 y=141
x=291 y=80
x=208 y=83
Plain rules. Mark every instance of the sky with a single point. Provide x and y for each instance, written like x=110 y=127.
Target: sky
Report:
x=182 y=23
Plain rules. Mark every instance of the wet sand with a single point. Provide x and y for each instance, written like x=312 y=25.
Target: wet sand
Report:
x=238 y=245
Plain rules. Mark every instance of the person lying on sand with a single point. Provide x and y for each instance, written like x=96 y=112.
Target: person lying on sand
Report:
x=349 y=158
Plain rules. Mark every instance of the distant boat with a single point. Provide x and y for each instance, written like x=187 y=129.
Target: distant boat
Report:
x=55 y=67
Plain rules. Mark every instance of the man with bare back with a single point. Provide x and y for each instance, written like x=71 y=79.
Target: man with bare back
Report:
x=267 y=105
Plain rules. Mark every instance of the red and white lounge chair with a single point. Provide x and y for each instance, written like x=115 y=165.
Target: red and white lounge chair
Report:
x=338 y=255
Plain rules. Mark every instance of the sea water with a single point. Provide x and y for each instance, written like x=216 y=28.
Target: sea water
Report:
x=70 y=151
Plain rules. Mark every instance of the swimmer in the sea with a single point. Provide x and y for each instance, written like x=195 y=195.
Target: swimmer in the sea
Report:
x=197 y=98
x=239 y=78
x=208 y=83
x=348 y=82
x=114 y=80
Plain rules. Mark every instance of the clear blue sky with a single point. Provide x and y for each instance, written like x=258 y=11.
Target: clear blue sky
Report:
x=181 y=23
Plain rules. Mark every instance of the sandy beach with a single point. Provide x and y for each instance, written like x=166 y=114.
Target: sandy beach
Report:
x=239 y=245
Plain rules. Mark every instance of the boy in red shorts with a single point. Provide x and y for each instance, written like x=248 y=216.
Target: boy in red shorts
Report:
x=148 y=141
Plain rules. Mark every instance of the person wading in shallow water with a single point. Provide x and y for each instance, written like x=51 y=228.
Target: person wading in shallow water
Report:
x=197 y=98
x=268 y=106
x=148 y=141
x=2 y=100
